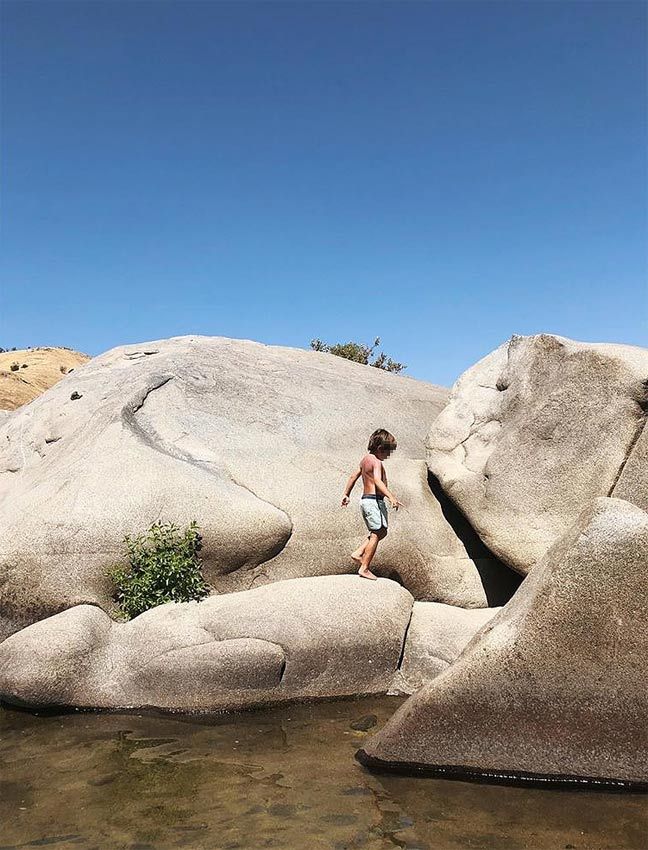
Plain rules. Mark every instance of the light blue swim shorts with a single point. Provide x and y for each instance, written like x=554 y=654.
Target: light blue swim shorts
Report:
x=374 y=512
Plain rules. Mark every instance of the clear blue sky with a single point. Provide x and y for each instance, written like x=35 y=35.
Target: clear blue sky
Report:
x=440 y=174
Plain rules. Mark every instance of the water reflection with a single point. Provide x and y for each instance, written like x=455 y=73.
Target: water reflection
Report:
x=284 y=778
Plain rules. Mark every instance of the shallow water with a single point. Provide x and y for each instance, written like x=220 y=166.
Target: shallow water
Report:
x=283 y=778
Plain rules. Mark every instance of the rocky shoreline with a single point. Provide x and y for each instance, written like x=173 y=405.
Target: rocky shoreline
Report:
x=536 y=465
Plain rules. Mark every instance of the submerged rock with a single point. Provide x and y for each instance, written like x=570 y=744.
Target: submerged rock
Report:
x=554 y=687
x=362 y=724
x=534 y=431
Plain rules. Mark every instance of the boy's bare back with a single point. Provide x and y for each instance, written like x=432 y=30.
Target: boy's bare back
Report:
x=370 y=468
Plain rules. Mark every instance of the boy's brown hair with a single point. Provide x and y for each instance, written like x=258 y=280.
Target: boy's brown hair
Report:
x=382 y=440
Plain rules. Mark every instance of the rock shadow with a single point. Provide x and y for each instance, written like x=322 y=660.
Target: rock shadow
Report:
x=499 y=581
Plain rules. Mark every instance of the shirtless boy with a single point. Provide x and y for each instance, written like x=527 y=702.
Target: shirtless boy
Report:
x=372 y=504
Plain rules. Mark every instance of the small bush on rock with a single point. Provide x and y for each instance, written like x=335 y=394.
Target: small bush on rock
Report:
x=360 y=353
x=163 y=567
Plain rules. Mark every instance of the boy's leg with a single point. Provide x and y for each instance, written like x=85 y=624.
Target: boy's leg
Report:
x=358 y=553
x=370 y=550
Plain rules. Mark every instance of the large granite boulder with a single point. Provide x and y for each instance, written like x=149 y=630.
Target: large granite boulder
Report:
x=254 y=442
x=532 y=432
x=554 y=687
x=296 y=639
x=305 y=638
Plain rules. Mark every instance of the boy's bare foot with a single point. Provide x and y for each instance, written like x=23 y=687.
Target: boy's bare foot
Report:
x=365 y=572
x=356 y=557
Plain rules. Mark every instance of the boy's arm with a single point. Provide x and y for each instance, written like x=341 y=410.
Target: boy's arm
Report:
x=349 y=486
x=381 y=485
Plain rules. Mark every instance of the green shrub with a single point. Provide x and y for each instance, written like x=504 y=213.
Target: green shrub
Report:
x=163 y=567
x=360 y=353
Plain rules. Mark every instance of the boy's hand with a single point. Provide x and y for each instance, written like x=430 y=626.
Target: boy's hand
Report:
x=395 y=503
x=345 y=501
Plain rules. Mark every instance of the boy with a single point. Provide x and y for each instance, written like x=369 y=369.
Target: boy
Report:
x=372 y=504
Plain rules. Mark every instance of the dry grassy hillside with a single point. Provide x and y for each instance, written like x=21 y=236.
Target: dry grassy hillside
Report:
x=38 y=369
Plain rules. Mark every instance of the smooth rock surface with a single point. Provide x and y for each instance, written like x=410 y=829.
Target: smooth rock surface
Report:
x=254 y=442
x=554 y=687
x=297 y=639
x=436 y=637
x=534 y=431
x=303 y=638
